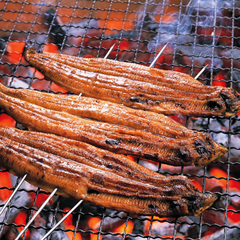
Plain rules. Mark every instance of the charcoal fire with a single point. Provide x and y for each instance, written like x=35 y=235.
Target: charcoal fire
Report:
x=198 y=33
x=19 y=202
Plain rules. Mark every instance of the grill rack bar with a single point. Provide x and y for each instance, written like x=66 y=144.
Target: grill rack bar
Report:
x=230 y=132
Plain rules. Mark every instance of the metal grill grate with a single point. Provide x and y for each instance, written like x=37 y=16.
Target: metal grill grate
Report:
x=199 y=32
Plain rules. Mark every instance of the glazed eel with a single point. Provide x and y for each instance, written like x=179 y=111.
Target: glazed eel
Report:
x=136 y=86
x=193 y=148
x=104 y=111
x=82 y=171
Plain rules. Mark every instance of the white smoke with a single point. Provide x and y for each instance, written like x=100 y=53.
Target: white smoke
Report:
x=199 y=13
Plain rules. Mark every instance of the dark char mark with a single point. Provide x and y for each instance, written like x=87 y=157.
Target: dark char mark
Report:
x=91 y=191
x=214 y=105
x=201 y=148
x=134 y=99
x=152 y=206
x=184 y=155
x=112 y=142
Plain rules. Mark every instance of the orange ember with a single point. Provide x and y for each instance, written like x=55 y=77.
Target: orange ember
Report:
x=155 y=219
x=233 y=216
x=131 y=158
x=7 y=121
x=5 y=182
x=70 y=233
x=21 y=219
x=40 y=198
x=94 y=222
x=95 y=235
x=124 y=228
x=219 y=80
x=197 y=185
x=15 y=50
x=51 y=48
x=233 y=184
x=216 y=172
x=70 y=228
x=68 y=220
x=168 y=237
x=55 y=88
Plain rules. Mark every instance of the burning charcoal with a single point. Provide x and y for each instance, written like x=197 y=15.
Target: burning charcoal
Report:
x=213 y=185
x=136 y=238
x=149 y=164
x=210 y=20
x=235 y=199
x=3 y=43
x=138 y=227
x=230 y=58
x=162 y=228
x=56 y=30
x=37 y=234
x=113 y=220
x=11 y=234
x=236 y=77
x=220 y=79
x=219 y=128
x=212 y=217
x=71 y=34
x=167 y=169
x=19 y=201
x=38 y=231
x=202 y=56
x=233 y=215
x=111 y=237
x=149 y=29
x=17 y=83
x=139 y=38
x=188 y=227
x=146 y=26
x=231 y=234
x=185 y=225
x=59 y=233
x=172 y=32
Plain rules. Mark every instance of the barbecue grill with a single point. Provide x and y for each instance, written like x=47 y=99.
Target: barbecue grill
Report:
x=198 y=33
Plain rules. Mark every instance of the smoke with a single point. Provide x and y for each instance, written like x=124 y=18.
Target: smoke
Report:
x=200 y=16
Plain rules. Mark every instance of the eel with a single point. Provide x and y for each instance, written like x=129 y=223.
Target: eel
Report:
x=135 y=86
x=82 y=171
x=198 y=149
x=104 y=111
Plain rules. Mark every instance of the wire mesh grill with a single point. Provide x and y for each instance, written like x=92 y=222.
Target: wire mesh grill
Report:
x=198 y=32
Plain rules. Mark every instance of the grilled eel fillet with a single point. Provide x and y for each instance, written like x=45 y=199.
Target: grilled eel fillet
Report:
x=104 y=111
x=198 y=149
x=82 y=171
x=136 y=86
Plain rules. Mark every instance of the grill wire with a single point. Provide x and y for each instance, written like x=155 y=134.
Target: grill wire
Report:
x=24 y=21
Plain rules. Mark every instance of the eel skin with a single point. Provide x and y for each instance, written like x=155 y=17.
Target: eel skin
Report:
x=198 y=149
x=82 y=171
x=136 y=86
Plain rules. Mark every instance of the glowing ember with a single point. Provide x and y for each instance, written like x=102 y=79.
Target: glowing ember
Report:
x=21 y=221
x=7 y=121
x=5 y=185
x=193 y=42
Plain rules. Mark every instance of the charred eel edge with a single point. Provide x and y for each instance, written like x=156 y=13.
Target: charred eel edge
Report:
x=232 y=101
